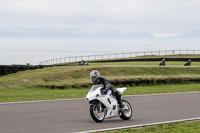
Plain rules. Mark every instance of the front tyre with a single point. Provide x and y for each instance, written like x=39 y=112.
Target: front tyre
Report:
x=126 y=114
x=95 y=114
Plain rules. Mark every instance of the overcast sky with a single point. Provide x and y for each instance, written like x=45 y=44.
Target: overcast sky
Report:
x=94 y=27
x=161 y=18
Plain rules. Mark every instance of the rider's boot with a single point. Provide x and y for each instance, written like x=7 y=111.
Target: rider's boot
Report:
x=119 y=100
x=121 y=105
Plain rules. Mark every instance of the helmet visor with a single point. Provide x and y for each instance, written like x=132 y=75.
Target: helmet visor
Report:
x=93 y=77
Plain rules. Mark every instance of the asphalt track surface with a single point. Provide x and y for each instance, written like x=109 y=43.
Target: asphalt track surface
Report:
x=66 y=116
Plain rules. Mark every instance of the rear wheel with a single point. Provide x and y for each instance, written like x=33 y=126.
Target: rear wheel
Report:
x=97 y=116
x=126 y=114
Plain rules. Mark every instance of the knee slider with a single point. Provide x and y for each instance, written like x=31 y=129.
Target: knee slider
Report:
x=118 y=94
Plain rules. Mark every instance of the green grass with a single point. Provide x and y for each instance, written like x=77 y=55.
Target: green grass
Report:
x=13 y=95
x=154 y=89
x=172 y=56
x=144 y=63
x=36 y=84
x=179 y=127
x=186 y=56
x=69 y=76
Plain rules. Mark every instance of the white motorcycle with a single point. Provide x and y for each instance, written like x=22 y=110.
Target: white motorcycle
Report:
x=104 y=105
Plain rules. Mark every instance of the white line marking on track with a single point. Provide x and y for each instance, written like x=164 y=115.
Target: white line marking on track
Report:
x=140 y=125
x=84 y=98
x=160 y=94
x=42 y=101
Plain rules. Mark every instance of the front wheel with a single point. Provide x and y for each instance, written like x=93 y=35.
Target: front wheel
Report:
x=126 y=114
x=97 y=116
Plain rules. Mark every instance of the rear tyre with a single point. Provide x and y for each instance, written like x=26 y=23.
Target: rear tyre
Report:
x=95 y=114
x=126 y=115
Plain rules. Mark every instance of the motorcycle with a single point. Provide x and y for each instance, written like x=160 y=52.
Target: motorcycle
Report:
x=187 y=64
x=104 y=104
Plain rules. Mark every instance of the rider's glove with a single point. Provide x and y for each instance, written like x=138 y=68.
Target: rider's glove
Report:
x=103 y=90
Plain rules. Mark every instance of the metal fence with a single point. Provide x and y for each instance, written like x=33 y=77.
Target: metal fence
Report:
x=118 y=56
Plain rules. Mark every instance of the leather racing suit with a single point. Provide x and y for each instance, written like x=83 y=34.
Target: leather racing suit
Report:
x=107 y=86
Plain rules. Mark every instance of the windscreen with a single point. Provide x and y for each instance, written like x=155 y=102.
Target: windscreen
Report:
x=94 y=87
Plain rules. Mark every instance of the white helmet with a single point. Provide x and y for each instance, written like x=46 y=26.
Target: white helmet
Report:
x=94 y=75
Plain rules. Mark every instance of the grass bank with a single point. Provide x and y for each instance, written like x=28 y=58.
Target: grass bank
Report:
x=74 y=81
x=179 y=127
x=32 y=94
x=144 y=63
x=78 y=76
x=146 y=57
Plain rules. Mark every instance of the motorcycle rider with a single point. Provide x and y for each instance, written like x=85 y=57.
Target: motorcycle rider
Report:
x=162 y=62
x=97 y=79
x=188 y=63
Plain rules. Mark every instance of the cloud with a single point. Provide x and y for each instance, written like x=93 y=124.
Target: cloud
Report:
x=91 y=16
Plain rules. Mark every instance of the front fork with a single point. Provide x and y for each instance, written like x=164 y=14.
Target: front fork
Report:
x=99 y=108
x=99 y=105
